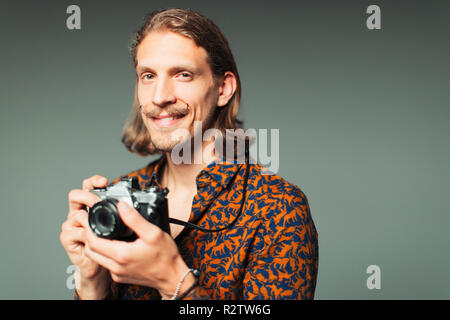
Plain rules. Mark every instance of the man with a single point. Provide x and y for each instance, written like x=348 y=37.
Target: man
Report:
x=265 y=242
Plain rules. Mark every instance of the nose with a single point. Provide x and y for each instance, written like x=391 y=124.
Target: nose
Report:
x=163 y=94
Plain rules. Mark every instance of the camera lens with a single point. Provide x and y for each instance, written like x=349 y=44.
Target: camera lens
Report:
x=105 y=221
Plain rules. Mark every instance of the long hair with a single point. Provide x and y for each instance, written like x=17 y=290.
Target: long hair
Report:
x=205 y=34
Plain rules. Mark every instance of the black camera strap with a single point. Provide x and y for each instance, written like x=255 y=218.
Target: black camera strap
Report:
x=244 y=191
x=194 y=226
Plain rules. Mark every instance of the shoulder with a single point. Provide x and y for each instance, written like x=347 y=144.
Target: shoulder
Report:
x=280 y=198
x=285 y=225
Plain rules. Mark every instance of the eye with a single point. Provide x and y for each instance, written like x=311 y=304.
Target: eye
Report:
x=147 y=76
x=185 y=75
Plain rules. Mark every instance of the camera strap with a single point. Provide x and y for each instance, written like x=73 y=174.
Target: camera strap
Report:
x=244 y=191
x=194 y=226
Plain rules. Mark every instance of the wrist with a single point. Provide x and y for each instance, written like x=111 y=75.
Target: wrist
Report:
x=93 y=288
x=181 y=280
x=187 y=292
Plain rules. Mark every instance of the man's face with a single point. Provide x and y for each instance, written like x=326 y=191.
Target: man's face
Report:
x=175 y=87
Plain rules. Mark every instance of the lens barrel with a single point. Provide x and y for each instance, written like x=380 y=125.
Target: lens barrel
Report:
x=105 y=221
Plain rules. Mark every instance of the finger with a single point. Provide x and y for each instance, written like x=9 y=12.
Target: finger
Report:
x=95 y=181
x=73 y=213
x=102 y=260
x=112 y=249
x=70 y=234
x=80 y=219
x=78 y=199
x=143 y=228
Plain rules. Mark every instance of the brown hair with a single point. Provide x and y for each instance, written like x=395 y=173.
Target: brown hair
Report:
x=204 y=33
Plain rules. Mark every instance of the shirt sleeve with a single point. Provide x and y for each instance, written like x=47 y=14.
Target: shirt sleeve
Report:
x=108 y=297
x=283 y=263
x=115 y=292
x=199 y=293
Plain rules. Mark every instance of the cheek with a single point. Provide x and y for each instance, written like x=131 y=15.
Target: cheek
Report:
x=207 y=103
x=201 y=99
x=144 y=95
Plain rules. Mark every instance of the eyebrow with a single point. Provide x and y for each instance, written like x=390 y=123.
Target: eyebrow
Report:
x=141 y=68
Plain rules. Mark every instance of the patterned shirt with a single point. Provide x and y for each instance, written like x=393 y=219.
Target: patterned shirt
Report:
x=270 y=250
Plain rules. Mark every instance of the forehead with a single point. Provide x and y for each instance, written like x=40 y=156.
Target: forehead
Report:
x=166 y=48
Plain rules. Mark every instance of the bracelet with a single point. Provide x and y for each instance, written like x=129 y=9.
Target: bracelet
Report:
x=177 y=290
x=196 y=274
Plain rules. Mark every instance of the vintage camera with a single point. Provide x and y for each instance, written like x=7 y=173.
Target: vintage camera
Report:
x=151 y=203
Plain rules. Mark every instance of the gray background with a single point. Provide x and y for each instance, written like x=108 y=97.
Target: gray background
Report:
x=363 y=118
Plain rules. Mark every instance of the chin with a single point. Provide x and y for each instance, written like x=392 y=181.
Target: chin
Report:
x=166 y=142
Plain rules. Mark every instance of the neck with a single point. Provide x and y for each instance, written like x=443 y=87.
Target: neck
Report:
x=182 y=176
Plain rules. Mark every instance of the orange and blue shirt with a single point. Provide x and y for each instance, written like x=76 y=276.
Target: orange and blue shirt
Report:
x=270 y=250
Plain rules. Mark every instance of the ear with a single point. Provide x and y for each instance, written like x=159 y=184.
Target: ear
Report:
x=227 y=87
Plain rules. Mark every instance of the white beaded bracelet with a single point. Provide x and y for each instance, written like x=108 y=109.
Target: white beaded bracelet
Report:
x=177 y=290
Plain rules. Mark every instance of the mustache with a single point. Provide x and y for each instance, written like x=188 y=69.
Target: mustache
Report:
x=173 y=111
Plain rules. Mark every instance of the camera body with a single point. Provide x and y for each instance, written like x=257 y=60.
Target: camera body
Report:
x=151 y=203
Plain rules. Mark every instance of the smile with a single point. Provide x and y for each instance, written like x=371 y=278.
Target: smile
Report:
x=166 y=121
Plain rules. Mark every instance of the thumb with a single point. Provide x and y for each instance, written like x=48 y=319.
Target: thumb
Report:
x=135 y=221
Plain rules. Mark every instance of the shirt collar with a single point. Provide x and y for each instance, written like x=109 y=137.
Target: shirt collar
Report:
x=219 y=170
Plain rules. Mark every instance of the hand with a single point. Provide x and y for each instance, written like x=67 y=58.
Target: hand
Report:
x=92 y=278
x=152 y=260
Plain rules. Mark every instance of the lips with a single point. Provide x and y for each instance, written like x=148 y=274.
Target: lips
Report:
x=166 y=120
